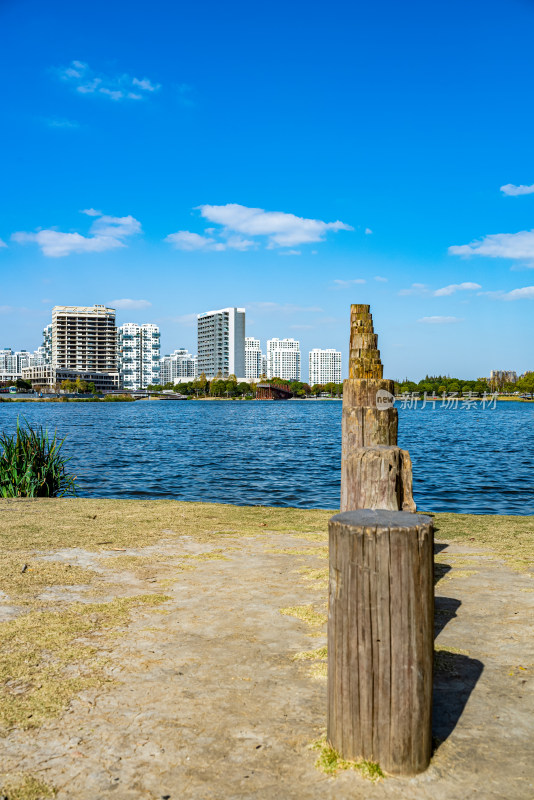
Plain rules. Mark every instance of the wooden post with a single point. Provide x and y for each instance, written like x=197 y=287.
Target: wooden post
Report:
x=377 y=477
x=381 y=638
x=369 y=423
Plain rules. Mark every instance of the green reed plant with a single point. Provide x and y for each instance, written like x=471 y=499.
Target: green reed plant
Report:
x=32 y=465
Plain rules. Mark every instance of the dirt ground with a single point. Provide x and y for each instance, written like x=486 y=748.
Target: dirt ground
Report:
x=219 y=690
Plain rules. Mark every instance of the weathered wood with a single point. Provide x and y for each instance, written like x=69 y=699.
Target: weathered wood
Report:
x=380 y=638
x=367 y=422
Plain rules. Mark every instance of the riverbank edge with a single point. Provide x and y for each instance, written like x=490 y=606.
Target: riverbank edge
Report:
x=211 y=399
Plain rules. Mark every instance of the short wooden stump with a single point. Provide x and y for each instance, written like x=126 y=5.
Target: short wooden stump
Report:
x=381 y=638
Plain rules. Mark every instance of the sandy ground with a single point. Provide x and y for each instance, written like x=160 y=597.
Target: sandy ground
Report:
x=208 y=701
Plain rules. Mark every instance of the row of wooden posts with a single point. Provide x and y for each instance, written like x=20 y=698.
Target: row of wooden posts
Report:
x=381 y=590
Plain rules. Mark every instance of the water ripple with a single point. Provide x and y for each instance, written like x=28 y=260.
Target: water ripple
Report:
x=286 y=454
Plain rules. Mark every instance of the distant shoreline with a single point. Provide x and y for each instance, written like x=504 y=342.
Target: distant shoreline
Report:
x=217 y=399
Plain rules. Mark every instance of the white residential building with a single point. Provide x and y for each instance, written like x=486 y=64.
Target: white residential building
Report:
x=325 y=366
x=502 y=376
x=138 y=355
x=47 y=344
x=177 y=366
x=39 y=357
x=13 y=362
x=283 y=359
x=84 y=338
x=253 y=359
x=221 y=342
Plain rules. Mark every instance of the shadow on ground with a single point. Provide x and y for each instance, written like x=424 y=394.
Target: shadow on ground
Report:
x=455 y=674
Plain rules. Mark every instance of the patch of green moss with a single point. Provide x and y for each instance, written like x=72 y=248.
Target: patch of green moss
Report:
x=330 y=762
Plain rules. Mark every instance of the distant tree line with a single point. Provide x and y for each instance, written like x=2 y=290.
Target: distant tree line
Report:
x=230 y=387
x=437 y=384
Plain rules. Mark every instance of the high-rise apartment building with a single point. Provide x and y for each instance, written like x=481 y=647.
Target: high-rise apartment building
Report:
x=253 y=359
x=47 y=344
x=283 y=359
x=84 y=338
x=13 y=362
x=178 y=366
x=138 y=354
x=221 y=342
x=499 y=377
x=325 y=366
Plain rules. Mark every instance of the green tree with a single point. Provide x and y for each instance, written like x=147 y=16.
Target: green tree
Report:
x=203 y=383
x=81 y=385
x=526 y=383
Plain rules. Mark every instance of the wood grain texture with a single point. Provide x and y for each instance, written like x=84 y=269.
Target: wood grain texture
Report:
x=379 y=478
x=380 y=638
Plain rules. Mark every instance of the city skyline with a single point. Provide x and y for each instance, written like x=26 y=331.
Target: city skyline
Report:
x=180 y=363
x=90 y=338
x=293 y=188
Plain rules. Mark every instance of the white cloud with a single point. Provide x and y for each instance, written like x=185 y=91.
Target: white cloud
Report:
x=439 y=320
x=445 y=291
x=499 y=245
x=66 y=124
x=340 y=284
x=524 y=293
x=280 y=228
x=380 y=279
x=187 y=240
x=513 y=191
x=2 y=243
x=91 y=212
x=128 y=304
x=56 y=244
x=290 y=253
x=116 y=227
x=106 y=233
x=368 y=231
x=146 y=85
x=85 y=80
x=415 y=288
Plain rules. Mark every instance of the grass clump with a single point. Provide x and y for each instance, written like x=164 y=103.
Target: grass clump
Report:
x=320 y=668
x=88 y=523
x=27 y=787
x=330 y=762
x=311 y=655
x=320 y=552
x=305 y=613
x=318 y=576
x=47 y=657
x=22 y=577
x=510 y=537
x=31 y=465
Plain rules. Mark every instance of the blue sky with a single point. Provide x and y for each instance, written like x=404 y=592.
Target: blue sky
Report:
x=291 y=158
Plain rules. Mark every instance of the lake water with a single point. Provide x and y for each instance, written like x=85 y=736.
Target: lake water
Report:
x=285 y=454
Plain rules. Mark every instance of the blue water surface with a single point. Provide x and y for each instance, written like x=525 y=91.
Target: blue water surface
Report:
x=285 y=453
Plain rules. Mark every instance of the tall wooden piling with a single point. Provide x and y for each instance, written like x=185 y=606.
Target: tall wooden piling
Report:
x=369 y=421
x=380 y=638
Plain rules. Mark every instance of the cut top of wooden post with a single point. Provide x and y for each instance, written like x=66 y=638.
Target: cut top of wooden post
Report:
x=364 y=359
x=380 y=518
